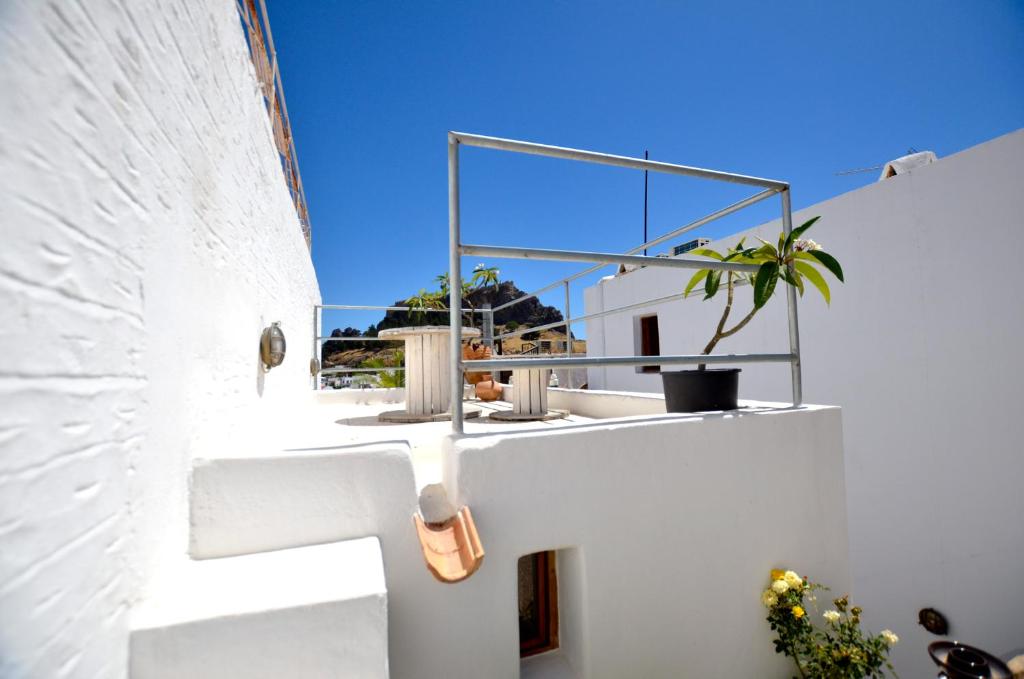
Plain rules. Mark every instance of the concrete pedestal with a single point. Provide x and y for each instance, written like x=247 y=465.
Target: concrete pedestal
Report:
x=427 y=373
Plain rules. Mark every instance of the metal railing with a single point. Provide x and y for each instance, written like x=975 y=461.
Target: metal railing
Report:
x=487 y=329
x=264 y=58
x=456 y=249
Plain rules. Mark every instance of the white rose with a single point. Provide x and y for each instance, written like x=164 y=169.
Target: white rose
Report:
x=793 y=580
x=890 y=637
x=768 y=598
x=831 y=616
x=780 y=586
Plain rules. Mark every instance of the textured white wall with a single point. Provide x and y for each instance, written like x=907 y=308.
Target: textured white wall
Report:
x=148 y=236
x=920 y=348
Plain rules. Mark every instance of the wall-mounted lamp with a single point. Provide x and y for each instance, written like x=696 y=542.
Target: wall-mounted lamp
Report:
x=272 y=346
x=933 y=621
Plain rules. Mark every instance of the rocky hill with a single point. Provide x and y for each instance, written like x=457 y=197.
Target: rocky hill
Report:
x=529 y=313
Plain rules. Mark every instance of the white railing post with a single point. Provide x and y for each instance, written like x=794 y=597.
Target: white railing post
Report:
x=455 y=287
x=794 y=325
x=568 y=336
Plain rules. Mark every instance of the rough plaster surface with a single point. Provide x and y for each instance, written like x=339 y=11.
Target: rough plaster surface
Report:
x=148 y=236
x=923 y=361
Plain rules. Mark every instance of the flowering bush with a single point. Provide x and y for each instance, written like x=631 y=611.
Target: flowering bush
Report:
x=837 y=648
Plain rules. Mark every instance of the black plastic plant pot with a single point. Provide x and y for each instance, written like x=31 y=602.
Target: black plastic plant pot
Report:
x=694 y=391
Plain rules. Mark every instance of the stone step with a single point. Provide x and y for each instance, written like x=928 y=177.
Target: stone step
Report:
x=318 y=611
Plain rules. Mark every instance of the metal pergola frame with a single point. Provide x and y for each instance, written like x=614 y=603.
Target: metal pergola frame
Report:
x=456 y=249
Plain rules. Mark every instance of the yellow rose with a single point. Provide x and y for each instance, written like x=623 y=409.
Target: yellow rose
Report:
x=777 y=574
x=798 y=612
x=793 y=580
x=768 y=598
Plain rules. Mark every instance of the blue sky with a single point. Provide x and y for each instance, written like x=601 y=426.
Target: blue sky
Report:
x=796 y=91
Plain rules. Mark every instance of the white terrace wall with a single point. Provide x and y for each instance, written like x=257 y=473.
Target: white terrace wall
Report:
x=667 y=528
x=148 y=236
x=921 y=349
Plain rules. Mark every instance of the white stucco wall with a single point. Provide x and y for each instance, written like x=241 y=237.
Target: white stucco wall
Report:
x=148 y=237
x=920 y=350
x=669 y=527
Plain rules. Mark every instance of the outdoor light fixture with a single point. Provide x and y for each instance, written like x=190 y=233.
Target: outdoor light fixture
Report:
x=933 y=621
x=272 y=346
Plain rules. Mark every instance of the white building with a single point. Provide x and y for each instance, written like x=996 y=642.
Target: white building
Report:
x=171 y=508
x=919 y=349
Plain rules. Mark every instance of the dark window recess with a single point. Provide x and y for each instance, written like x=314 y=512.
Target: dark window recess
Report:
x=538 y=604
x=649 y=343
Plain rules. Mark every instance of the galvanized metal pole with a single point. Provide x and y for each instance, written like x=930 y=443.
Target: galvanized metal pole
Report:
x=454 y=278
x=610 y=159
x=317 y=313
x=487 y=325
x=568 y=335
x=794 y=324
x=718 y=214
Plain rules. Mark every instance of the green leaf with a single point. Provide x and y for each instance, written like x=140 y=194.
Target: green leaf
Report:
x=711 y=284
x=816 y=279
x=764 y=283
x=697 y=278
x=798 y=231
x=793 y=278
x=706 y=252
x=829 y=261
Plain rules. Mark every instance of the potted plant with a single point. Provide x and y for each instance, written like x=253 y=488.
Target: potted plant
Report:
x=482 y=277
x=824 y=644
x=794 y=261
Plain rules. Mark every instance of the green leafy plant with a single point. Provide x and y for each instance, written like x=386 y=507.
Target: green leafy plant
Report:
x=482 y=277
x=836 y=648
x=794 y=260
x=424 y=300
x=387 y=378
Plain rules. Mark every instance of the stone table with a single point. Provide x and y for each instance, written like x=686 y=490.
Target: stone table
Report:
x=427 y=373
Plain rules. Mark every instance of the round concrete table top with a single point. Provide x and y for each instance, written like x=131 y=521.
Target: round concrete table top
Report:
x=417 y=330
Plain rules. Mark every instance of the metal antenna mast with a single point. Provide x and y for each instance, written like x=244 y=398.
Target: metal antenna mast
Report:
x=645 y=204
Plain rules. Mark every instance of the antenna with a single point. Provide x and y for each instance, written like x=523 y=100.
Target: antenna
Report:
x=645 y=204
x=874 y=168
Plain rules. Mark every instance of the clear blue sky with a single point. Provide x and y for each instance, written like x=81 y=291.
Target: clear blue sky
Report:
x=788 y=90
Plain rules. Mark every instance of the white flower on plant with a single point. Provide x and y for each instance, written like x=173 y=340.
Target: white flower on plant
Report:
x=890 y=637
x=831 y=616
x=768 y=598
x=805 y=244
x=793 y=580
x=780 y=586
